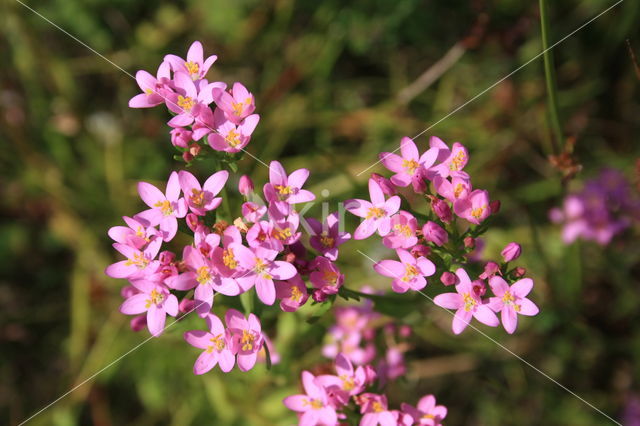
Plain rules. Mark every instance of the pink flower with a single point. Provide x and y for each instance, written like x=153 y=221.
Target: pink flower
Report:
x=474 y=208
x=286 y=190
x=230 y=137
x=216 y=343
x=407 y=274
x=456 y=159
x=155 y=300
x=327 y=276
x=427 y=412
x=456 y=189
x=181 y=137
x=441 y=209
x=201 y=274
x=155 y=89
x=202 y=199
x=511 y=252
x=313 y=404
x=292 y=293
x=165 y=208
x=246 y=336
x=377 y=213
x=253 y=212
x=189 y=100
x=136 y=234
x=374 y=408
x=196 y=67
x=511 y=301
x=327 y=237
x=236 y=105
x=138 y=262
x=409 y=167
x=349 y=380
x=262 y=269
x=467 y=304
x=435 y=233
x=403 y=231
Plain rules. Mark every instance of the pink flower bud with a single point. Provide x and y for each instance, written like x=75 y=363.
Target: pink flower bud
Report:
x=469 y=242
x=181 y=137
x=245 y=186
x=420 y=250
x=186 y=305
x=448 y=278
x=290 y=257
x=479 y=287
x=370 y=374
x=192 y=221
x=519 y=272
x=490 y=269
x=166 y=257
x=418 y=184
x=494 y=206
x=511 y=252
x=319 y=296
x=187 y=157
x=442 y=210
x=435 y=233
x=138 y=323
x=194 y=150
x=385 y=184
x=405 y=331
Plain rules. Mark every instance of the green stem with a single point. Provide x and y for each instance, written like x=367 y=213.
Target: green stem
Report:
x=223 y=193
x=550 y=76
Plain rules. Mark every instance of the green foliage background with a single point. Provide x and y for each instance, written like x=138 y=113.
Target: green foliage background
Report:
x=326 y=76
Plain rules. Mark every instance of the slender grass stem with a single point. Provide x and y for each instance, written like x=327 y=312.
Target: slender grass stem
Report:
x=550 y=76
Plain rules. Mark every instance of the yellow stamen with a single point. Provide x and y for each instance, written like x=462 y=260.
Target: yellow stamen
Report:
x=139 y=260
x=232 y=138
x=296 y=294
x=457 y=161
x=377 y=407
x=261 y=269
x=282 y=234
x=375 y=212
x=347 y=382
x=185 y=102
x=218 y=343
x=192 y=68
x=155 y=298
x=165 y=207
x=203 y=275
x=283 y=190
x=247 y=341
x=410 y=273
x=197 y=197
x=326 y=240
x=458 y=190
x=410 y=166
x=404 y=230
x=229 y=259
x=469 y=302
x=477 y=212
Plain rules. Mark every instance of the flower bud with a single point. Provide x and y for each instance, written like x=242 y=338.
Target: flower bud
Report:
x=420 y=250
x=166 y=257
x=442 y=210
x=186 y=305
x=519 y=272
x=494 y=206
x=194 y=150
x=187 y=157
x=435 y=233
x=138 y=323
x=448 y=278
x=511 y=252
x=192 y=221
x=319 y=296
x=490 y=269
x=479 y=287
x=181 y=137
x=245 y=186
x=385 y=184
x=470 y=242
x=405 y=331
x=419 y=185
x=369 y=374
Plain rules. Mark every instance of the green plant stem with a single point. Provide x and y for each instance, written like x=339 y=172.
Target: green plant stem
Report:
x=223 y=193
x=550 y=76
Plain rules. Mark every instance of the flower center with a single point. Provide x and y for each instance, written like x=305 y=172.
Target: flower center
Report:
x=410 y=166
x=457 y=162
x=326 y=240
x=165 y=207
x=283 y=190
x=248 y=339
x=477 y=212
x=186 y=103
x=469 y=302
x=261 y=269
x=193 y=68
x=404 y=230
x=330 y=277
x=197 y=197
x=203 y=275
x=155 y=298
x=139 y=260
x=347 y=382
x=377 y=407
x=282 y=234
x=232 y=138
x=229 y=259
x=218 y=343
x=428 y=416
x=458 y=190
x=375 y=213
x=410 y=272
x=296 y=294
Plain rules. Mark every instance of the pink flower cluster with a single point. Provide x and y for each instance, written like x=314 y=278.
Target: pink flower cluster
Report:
x=329 y=399
x=605 y=207
x=181 y=85
x=354 y=336
x=441 y=243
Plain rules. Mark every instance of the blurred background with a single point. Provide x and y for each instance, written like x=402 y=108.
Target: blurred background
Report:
x=335 y=82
